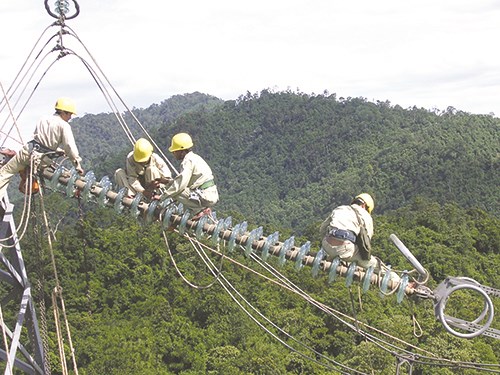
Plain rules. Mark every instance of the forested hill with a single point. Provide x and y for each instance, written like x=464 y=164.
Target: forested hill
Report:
x=287 y=158
x=102 y=141
x=142 y=301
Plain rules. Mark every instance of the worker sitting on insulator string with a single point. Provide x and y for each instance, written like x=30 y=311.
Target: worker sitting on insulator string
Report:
x=145 y=172
x=341 y=229
x=52 y=138
x=194 y=187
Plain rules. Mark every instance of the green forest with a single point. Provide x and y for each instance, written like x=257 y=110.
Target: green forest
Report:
x=141 y=301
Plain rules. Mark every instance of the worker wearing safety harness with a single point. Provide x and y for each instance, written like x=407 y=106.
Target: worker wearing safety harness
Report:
x=50 y=134
x=143 y=171
x=194 y=187
x=340 y=229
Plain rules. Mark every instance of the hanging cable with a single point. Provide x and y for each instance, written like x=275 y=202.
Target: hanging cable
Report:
x=384 y=344
x=24 y=220
x=425 y=360
x=57 y=296
x=20 y=78
x=228 y=287
x=124 y=104
x=18 y=75
x=101 y=83
x=283 y=282
x=40 y=291
x=81 y=223
x=179 y=272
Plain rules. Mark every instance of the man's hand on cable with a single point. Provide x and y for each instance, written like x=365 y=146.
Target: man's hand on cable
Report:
x=152 y=185
x=164 y=180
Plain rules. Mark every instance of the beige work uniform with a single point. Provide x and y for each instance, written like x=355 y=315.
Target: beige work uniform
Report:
x=187 y=187
x=343 y=217
x=52 y=133
x=135 y=174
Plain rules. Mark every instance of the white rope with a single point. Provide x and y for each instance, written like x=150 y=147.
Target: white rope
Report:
x=24 y=220
x=57 y=294
x=283 y=282
x=383 y=344
x=227 y=286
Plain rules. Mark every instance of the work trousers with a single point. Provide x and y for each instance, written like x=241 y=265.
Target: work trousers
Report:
x=198 y=199
x=19 y=162
x=349 y=252
x=132 y=184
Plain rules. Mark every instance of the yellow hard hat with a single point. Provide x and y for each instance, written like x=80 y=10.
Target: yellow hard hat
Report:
x=368 y=200
x=142 y=150
x=66 y=105
x=181 y=141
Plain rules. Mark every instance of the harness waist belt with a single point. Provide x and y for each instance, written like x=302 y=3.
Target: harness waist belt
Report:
x=37 y=146
x=343 y=234
x=206 y=185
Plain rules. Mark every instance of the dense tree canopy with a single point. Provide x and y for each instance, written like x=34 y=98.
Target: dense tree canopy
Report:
x=288 y=158
x=281 y=160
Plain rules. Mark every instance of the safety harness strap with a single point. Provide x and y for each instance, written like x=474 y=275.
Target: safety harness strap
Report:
x=37 y=146
x=343 y=234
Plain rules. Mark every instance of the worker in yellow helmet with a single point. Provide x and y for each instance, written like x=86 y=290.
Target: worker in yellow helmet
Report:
x=341 y=229
x=143 y=171
x=194 y=187
x=53 y=137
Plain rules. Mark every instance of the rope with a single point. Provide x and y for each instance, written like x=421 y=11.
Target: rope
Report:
x=40 y=293
x=227 y=286
x=23 y=221
x=57 y=294
x=401 y=361
x=356 y=323
x=60 y=339
x=337 y=314
x=416 y=324
x=286 y=284
x=179 y=272
x=81 y=218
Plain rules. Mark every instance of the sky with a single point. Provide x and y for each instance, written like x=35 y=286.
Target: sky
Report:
x=425 y=53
